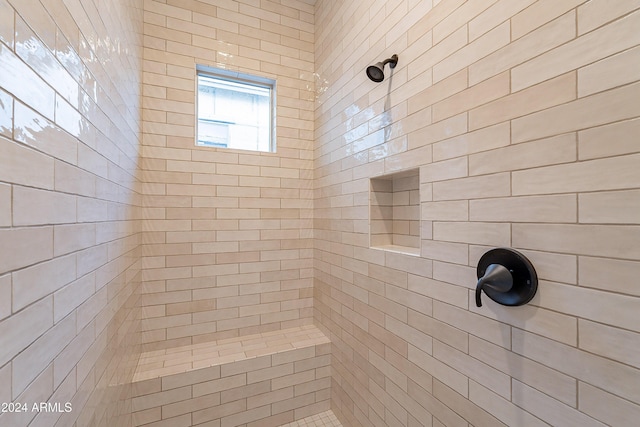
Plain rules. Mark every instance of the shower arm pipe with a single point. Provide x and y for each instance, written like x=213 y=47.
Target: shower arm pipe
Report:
x=393 y=60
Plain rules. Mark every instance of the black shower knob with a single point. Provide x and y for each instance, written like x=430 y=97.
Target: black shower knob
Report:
x=506 y=276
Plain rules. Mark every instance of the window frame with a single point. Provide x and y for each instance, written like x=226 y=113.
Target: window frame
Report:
x=243 y=79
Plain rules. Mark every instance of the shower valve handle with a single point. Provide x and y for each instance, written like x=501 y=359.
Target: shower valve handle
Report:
x=506 y=276
x=496 y=277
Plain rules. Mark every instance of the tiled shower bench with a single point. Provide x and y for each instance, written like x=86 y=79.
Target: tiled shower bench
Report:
x=264 y=380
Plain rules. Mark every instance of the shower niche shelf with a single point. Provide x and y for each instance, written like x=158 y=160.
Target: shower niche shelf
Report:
x=394 y=212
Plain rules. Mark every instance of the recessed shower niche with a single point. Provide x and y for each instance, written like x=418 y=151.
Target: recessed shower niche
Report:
x=394 y=212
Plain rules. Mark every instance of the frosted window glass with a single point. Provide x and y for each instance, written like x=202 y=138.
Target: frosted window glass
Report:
x=235 y=112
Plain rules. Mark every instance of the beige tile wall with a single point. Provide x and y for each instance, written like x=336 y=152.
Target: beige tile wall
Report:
x=227 y=247
x=523 y=119
x=70 y=229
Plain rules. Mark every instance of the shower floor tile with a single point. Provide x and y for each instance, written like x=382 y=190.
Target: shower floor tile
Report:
x=323 y=419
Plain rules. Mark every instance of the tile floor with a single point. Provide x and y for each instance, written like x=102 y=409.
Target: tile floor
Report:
x=323 y=419
x=159 y=363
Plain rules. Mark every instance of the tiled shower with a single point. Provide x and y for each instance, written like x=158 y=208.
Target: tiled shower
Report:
x=147 y=281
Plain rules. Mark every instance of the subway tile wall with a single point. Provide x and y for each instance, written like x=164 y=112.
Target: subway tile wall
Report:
x=227 y=247
x=70 y=209
x=523 y=118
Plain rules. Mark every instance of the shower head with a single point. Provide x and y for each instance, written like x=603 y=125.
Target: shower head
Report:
x=376 y=72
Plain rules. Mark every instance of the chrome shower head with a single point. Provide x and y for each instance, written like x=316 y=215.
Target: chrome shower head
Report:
x=376 y=72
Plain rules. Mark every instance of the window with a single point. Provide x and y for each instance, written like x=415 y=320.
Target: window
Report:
x=235 y=110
